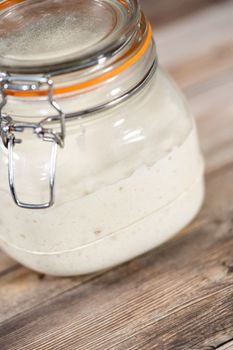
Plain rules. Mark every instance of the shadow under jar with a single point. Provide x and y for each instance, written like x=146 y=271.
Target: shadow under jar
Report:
x=87 y=113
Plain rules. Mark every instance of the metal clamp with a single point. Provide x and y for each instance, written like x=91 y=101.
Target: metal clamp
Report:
x=8 y=129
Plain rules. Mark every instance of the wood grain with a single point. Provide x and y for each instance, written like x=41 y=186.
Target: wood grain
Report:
x=181 y=291
x=164 y=11
x=227 y=346
x=177 y=297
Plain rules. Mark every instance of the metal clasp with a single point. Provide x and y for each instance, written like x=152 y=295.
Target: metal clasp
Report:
x=9 y=128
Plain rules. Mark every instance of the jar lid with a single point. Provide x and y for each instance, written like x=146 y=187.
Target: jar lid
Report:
x=38 y=36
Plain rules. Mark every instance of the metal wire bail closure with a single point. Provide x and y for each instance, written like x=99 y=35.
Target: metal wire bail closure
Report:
x=8 y=129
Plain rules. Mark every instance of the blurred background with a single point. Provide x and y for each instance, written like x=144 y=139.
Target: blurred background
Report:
x=195 y=44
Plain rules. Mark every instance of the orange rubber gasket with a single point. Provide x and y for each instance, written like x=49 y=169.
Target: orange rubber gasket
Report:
x=9 y=3
x=89 y=83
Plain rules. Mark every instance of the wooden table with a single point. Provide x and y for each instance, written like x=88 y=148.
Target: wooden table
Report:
x=179 y=296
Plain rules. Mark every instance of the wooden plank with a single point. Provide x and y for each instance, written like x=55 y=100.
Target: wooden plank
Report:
x=165 y=11
x=176 y=297
x=5 y=264
x=227 y=346
x=196 y=71
x=212 y=106
x=203 y=34
x=22 y=289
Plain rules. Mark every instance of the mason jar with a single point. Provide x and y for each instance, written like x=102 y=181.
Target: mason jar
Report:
x=99 y=156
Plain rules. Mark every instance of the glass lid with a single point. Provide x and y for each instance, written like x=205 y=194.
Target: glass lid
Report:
x=47 y=35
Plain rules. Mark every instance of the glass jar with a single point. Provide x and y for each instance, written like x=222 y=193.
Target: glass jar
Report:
x=84 y=102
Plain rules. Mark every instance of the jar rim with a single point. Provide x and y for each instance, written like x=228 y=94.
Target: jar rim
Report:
x=48 y=36
x=94 y=81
